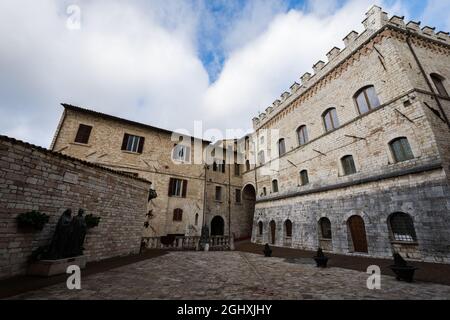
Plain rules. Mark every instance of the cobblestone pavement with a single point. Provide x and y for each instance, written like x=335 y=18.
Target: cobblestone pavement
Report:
x=234 y=275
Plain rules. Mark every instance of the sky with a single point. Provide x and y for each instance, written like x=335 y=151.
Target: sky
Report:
x=168 y=63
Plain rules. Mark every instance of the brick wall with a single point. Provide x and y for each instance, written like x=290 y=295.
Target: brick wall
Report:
x=32 y=178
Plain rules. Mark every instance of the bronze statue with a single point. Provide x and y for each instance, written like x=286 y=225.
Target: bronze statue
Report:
x=60 y=241
x=78 y=234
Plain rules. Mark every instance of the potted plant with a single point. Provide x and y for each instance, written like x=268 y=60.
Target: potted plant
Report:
x=33 y=220
x=321 y=259
x=92 y=221
x=402 y=270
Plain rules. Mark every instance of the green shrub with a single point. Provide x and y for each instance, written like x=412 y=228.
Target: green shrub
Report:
x=33 y=219
x=92 y=221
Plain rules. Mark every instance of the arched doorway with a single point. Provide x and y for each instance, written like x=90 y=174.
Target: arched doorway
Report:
x=217 y=226
x=245 y=222
x=273 y=227
x=358 y=233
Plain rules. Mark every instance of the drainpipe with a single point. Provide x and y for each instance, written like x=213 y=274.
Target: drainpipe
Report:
x=204 y=196
x=229 y=201
x=424 y=74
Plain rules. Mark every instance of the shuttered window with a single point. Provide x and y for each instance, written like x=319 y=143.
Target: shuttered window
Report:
x=401 y=150
x=83 y=134
x=133 y=143
x=275 y=186
x=177 y=188
x=181 y=153
x=325 y=228
x=302 y=134
x=348 y=165
x=330 y=119
x=281 y=147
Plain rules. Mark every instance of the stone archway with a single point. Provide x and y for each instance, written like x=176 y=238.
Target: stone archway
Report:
x=245 y=226
x=217 y=226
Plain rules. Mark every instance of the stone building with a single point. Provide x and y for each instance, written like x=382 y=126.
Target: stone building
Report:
x=354 y=158
x=191 y=191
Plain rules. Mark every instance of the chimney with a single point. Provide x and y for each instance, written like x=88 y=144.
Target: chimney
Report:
x=333 y=53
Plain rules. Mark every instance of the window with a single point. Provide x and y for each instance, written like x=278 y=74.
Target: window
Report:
x=247 y=165
x=439 y=84
x=330 y=119
x=238 y=196
x=288 y=228
x=83 y=134
x=177 y=188
x=304 y=179
x=367 y=99
x=237 y=169
x=261 y=158
x=281 y=147
x=196 y=219
x=401 y=150
x=325 y=228
x=133 y=143
x=402 y=227
x=218 y=193
x=221 y=167
x=177 y=215
x=264 y=191
x=181 y=153
x=348 y=165
x=214 y=166
x=302 y=134
x=275 y=186
x=260 y=228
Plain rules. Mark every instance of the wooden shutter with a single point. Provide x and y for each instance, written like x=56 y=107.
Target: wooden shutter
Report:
x=83 y=134
x=141 y=144
x=185 y=183
x=171 y=182
x=125 y=141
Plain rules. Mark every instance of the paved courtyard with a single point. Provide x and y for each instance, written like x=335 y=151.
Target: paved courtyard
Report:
x=234 y=275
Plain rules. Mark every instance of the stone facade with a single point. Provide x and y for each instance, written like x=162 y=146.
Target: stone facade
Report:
x=32 y=178
x=397 y=60
x=156 y=164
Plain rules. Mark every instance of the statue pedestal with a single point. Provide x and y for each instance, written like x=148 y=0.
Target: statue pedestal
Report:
x=48 y=268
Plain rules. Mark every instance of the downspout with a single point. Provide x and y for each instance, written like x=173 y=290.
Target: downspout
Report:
x=229 y=201
x=204 y=196
x=424 y=74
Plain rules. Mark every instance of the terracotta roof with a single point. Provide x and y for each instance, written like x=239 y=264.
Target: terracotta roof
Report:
x=130 y=122
x=66 y=157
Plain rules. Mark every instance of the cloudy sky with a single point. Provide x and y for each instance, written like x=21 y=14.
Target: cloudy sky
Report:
x=168 y=63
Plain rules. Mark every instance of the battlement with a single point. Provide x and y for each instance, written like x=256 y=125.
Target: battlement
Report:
x=375 y=20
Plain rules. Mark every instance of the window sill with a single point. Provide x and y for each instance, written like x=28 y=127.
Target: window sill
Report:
x=130 y=152
x=81 y=144
x=407 y=243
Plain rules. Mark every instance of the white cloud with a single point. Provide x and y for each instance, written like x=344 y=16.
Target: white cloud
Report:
x=140 y=60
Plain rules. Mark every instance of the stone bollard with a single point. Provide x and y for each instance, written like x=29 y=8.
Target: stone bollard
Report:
x=207 y=247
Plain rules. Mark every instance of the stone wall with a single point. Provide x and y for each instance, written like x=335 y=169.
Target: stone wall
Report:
x=33 y=178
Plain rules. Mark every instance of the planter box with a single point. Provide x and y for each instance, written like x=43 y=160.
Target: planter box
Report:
x=48 y=268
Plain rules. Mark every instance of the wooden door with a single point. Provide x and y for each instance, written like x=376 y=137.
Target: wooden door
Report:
x=272 y=232
x=358 y=233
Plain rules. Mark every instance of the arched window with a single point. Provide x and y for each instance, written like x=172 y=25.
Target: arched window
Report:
x=275 y=186
x=261 y=158
x=330 y=119
x=304 y=179
x=401 y=150
x=302 y=135
x=196 y=219
x=260 y=228
x=177 y=215
x=281 y=147
x=348 y=165
x=247 y=165
x=439 y=84
x=366 y=99
x=402 y=228
x=325 y=228
x=288 y=228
